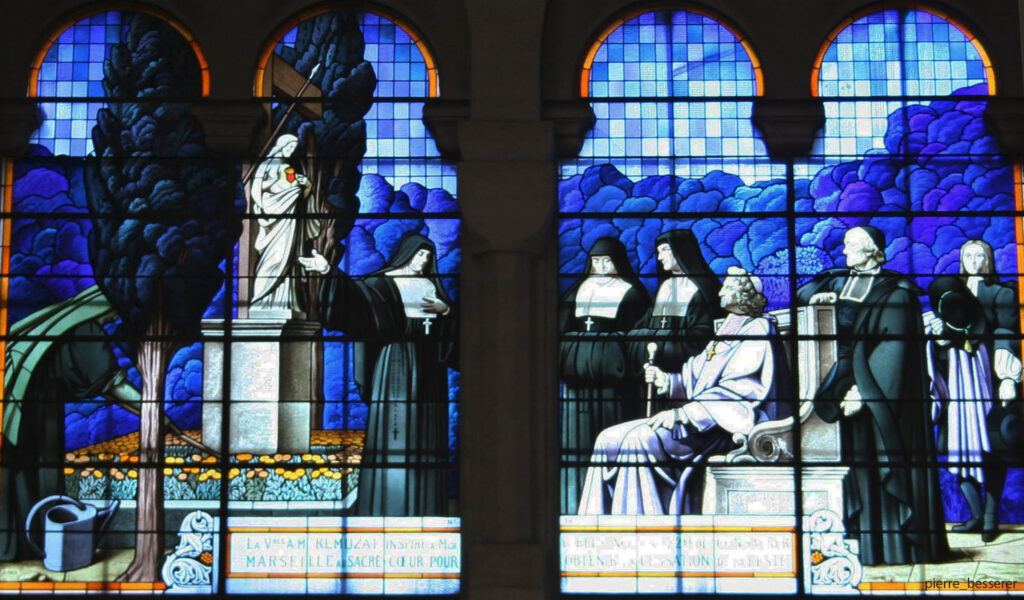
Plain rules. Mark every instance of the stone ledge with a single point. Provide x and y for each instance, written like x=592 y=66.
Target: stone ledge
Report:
x=789 y=126
x=1006 y=118
x=17 y=123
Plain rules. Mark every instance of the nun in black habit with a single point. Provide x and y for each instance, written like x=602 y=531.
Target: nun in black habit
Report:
x=599 y=386
x=405 y=325
x=681 y=319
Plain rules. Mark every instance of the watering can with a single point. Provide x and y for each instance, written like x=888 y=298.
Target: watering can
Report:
x=70 y=531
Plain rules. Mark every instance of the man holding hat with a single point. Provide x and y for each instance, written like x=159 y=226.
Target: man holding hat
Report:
x=959 y=364
x=878 y=391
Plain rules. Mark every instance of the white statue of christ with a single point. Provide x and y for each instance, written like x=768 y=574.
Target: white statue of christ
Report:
x=277 y=194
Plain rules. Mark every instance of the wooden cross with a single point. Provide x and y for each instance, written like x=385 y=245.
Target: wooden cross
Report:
x=285 y=81
x=282 y=80
x=589 y=322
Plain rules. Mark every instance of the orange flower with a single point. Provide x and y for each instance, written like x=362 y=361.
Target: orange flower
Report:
x=817 y=557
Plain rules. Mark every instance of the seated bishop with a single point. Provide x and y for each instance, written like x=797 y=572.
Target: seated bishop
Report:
x=655 y=466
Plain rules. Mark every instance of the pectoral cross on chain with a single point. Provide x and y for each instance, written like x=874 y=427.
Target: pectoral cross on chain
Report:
x=712 y=351
x=426 y=325
x=589 y=323
x=663 y=321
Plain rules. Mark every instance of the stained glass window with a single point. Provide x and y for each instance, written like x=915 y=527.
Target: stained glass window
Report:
x=734 y=328
x=239 y=378
x=916 y=160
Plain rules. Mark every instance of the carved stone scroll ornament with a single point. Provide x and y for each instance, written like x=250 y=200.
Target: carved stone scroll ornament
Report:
x=768 y=442
x=190 y=567
x=833 y=562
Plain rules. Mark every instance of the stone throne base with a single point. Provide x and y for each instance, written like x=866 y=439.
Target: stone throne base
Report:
x=755 y=481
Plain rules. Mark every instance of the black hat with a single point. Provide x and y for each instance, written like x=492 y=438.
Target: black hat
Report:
x=1010 y=429
x=956 y=305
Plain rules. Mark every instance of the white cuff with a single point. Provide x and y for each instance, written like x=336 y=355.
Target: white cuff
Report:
x=1007 y=366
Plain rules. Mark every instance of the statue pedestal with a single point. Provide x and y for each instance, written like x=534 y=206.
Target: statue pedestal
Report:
x=271 y=384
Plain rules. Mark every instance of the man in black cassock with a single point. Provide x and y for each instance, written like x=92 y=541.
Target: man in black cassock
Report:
x=681 y=320
x=878 y=392
x=56 y=355
x=405 y=327
x=599 y=384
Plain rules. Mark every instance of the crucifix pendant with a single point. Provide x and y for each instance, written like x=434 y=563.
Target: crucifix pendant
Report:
x=712 y=352
x=426 y=325
x=589 y=323
x=663 y=321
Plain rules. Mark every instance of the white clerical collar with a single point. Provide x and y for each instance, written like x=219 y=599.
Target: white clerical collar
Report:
x=674 y=297
x=858 y=284
x=600 y=296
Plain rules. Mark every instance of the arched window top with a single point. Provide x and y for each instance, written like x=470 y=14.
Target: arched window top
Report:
x=670 y=53
x=70 y=64
x=906 y=51
x=404 y=66
x=68 y=72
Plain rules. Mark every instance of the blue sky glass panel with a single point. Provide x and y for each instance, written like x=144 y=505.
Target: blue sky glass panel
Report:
x=671 y=53
x=704 y=69
x=73 y=68
x=890 y=53
x=900 y=52
x=394 y=128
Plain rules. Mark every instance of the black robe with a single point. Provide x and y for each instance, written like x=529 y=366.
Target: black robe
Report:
x=599 y=387
x=679 y=338
x=892 y=498
x=74 y=367
x=402 y=372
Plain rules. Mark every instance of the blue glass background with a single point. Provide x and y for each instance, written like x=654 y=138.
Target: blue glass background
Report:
x=396 y=139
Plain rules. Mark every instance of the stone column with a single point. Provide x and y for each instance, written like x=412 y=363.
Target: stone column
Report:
x=509 y=417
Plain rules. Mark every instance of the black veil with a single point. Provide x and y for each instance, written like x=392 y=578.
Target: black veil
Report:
x=616 y=250
x=686 y=249
x=407 y=248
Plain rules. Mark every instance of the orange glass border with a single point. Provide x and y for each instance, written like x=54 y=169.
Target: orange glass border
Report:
x=7 y=223
x=588 y=61
x=1018 y=194
x=268 y=49
x=204 y=67
x=990 y=72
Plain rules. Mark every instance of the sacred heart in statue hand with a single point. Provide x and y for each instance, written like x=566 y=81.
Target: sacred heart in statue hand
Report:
x=289 y=174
